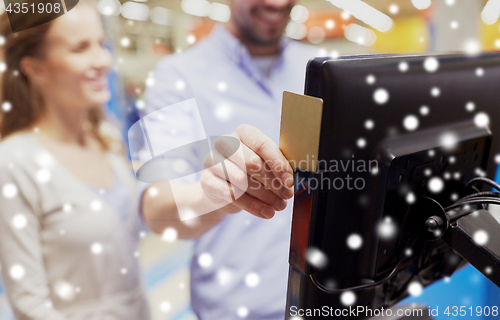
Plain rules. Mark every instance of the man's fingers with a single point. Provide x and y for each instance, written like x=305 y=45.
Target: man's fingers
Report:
x=254 y=206
x=259 y=192
x=216 y=189
x=255 y=168
x=241 y=183
x=266 y=149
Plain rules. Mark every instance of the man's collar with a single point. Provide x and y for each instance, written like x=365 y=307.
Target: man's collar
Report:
x=238 y=52
x=233 y=46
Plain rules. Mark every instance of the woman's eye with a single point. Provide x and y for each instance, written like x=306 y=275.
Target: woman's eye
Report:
x=81 y=47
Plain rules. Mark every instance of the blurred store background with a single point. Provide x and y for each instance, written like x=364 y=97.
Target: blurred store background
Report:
x=142 y=32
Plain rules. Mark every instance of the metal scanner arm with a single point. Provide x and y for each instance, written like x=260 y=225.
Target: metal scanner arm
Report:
x=476 y=237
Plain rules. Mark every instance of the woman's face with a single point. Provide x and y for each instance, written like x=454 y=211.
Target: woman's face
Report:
x=75 y=63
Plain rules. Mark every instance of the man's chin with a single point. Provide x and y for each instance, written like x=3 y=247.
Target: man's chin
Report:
x=262 y=36
x=270 y=37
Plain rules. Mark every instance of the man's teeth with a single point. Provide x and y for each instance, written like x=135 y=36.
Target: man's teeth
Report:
x=272 y=16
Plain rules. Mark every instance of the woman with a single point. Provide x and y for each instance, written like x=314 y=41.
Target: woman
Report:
x=68 y=211
x=69 y=221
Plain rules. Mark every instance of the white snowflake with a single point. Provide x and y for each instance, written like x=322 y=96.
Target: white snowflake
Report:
x=252 y=279
x=242 y=312
x=43 y=175
x=150 y=81
x=9 y=190
x=96 y=248
x=140 y=104
x=403 y=66
x=370 y=79
x=223 y=112
x=393 y=9
x=431 y=64
x=387 y=229
x=169 y=234
x=381 y=96
x=448 y=140
x=435 y=185
x=224 y=276
x=369 y=124
x=44 y=159
x=125 y=42
x=361 y=143
x=316 y=257
x=435 y=92
x=64 y=290
x=96 y=205
x=67 y=207
x=410 y=198
x=354 y=241
x=180 y=85
x=153 y=191
x=17 y=272
x=165 y=306
x=410 y=122
x=481 y=119
x=415 y=289
x=6 y=106
x=424 y=110
x=348 y=298
x=19 y=221
x=191 y=39
x=205 y=260
x=481 y=237
x=222 y=86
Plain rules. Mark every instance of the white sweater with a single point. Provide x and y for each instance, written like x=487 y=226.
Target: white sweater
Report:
x=64 y=252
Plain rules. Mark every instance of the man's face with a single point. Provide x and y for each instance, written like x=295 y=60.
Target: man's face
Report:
x=261 y=22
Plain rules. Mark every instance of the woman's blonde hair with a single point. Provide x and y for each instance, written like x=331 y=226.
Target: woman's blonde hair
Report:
x=15 y=88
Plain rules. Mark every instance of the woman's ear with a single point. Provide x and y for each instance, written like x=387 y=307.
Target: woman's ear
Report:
x=34 y=70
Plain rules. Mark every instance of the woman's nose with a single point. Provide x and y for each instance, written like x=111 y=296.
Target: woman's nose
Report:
x=102 y=58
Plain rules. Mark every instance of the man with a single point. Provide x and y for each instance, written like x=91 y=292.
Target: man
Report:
x=237 y=76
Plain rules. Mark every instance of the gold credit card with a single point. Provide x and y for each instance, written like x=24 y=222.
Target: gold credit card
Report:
x=300 y=130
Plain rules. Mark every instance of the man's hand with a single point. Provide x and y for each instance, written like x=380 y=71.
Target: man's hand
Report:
x=260 y=181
